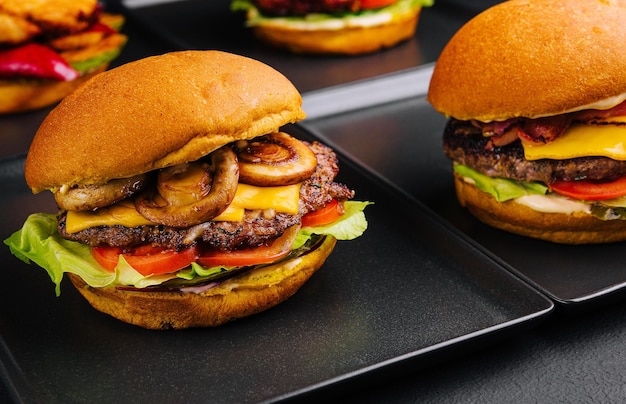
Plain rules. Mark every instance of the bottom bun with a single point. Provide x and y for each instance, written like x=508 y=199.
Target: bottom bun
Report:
x=250 y=293
x=349 y=41
x=28 y=95
x=576 y=228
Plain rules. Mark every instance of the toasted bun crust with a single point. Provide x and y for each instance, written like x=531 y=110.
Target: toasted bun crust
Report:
x=242 y=296
x=532 y=58
x=348 y=41
x=577 y=228
x=156 y=112
x=28 y=95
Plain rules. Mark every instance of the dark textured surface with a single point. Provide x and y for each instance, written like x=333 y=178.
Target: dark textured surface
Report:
x=567 y=360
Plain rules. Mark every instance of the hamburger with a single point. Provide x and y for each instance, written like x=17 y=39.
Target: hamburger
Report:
x=348 y=27
x=49 y=47
x=535 y=94
x=181 y=203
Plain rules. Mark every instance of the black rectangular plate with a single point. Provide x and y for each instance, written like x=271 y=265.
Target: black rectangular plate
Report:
x=401 y=142
x=407 y=293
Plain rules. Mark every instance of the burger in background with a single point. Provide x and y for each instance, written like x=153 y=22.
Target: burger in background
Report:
x=49 y=47
x=535 y=93
x=348 y=27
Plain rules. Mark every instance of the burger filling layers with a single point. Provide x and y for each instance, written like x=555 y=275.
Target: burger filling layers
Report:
x=186 y=227
x=574 y=162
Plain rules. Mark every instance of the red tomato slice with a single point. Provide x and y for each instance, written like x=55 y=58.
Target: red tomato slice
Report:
x=369 y=4
x=589 y=190
x=327 y=214
x=252 y=256
x=146 y=260
x=156 y=261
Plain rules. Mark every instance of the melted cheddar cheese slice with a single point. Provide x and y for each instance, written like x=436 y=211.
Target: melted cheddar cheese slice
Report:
x=583 y=140
x=282 y=199
x=123 y=213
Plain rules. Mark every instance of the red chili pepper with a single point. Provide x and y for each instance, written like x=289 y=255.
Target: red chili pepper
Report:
x=35 y=60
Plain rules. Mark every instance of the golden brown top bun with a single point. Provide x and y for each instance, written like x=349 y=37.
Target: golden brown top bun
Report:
x=157 y=112
x=250 y=293
x=513 y=217
x=532 y=58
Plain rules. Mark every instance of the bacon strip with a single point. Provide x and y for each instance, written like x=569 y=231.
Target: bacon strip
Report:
x=542 y=130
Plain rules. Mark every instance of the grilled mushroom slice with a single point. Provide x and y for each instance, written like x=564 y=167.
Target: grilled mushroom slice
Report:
x=273 y=160
x=193 y=193
x=90 y=197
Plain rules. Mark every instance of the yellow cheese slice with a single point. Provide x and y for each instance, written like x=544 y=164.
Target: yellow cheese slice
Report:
x=283 y=199
x=123 y=213
x=581 y=141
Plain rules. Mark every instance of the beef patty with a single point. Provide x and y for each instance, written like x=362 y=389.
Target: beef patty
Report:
x=256 y=228
x=465 y=144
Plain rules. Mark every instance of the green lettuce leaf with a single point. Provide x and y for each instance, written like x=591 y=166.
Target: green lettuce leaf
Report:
x=126 y=275
x=91 y=64
x=351 y=225
x=196 y=270
x=38 y=241
x=502 y=189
